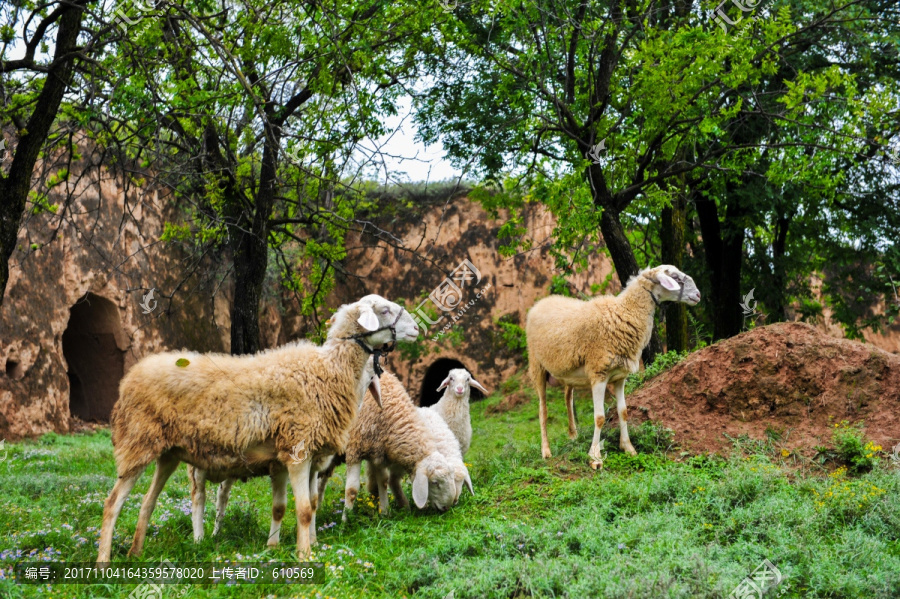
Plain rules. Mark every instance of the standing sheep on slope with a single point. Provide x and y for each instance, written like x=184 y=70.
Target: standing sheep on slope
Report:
x=592 y=344
x=453 y=406
x=230 y=414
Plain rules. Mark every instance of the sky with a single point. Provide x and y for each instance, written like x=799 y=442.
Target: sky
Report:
x=405 y=158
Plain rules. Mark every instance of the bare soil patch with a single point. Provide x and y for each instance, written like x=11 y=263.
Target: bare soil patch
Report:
x=788 y=377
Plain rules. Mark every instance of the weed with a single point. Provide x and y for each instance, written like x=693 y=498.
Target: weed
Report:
x=662 y=363
x=650 y=436
x=853 y=449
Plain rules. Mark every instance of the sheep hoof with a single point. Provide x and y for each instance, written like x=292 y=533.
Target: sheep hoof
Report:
x=545 y=451
x=597 y=464
x=629 y=450
x=573 y=435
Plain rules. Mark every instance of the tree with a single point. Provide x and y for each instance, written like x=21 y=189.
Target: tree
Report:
x=250 y=111
x=31 y=90
x=608 y=111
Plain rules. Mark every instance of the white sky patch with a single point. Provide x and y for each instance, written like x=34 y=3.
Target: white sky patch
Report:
x=398 y=157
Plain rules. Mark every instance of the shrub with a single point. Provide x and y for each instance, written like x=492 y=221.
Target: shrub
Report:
x=513 y=335
x=852 y=448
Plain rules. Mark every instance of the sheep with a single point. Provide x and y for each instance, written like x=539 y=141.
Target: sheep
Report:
x=198 y=477
x=453 y=406
x=448 y=444
x=595 y=343
x=236 y=414
x=395 y=441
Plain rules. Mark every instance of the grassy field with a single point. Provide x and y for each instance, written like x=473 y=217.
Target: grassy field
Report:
x=657 y=525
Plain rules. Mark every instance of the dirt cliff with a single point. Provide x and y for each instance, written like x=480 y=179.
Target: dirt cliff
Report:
x=75 y=317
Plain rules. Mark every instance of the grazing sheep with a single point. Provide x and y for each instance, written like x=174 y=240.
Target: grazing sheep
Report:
x=453 y=406
x=595 y=343
x=278 y=478
x=396 y=441
x=236 y=414
x=448 y=445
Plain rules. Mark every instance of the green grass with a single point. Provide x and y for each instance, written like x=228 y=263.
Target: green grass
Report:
x=656 y=525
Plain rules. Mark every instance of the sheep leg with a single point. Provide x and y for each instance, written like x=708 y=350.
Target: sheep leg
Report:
x=324 y=477
x=598 y=392
x=372 y=480
x=570 y=408
x=299 y=477
x=314 y=503
x=198 y=500
x=381 y=475
x=165 y=466
x=539 y=376
x=397 y=489
x=111 y=509
x=279 y=505
x=221 y=502
x=323 y=483
x=351 y=488
x=624 y=441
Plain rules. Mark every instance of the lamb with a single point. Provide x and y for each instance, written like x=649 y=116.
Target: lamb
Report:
x=453 y=406
x=231 y=415
x=448 y=444
x=397 y=441
x=592 y=344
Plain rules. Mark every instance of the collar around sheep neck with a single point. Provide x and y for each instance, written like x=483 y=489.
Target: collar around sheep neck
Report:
x=385 y=349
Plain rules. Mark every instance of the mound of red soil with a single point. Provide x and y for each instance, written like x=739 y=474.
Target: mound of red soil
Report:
x=788 y=377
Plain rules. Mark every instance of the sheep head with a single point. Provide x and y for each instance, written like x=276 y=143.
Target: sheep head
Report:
x=672 y=285
x=371 y=319
x=459 y=380
x=433 y=483
x=378 y=316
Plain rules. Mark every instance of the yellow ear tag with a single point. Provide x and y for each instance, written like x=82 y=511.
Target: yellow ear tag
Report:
x=181 y=362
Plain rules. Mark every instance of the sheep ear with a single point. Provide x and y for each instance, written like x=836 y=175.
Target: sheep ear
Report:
x=478 y=385
x=469 y=484
x=667 y=282
x=367 y=318
x=445 y=383
x=420 y=488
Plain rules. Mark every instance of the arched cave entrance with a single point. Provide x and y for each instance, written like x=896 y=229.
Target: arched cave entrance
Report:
x=435 y=375
x=96 y=363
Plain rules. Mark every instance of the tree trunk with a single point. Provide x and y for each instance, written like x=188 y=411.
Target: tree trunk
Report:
x=626 y=267
x=672 y=241
x=15 y=186
x=779 y=246
x=250 y=262
x=251 y=257
x=723 y=249
x=731 y=314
